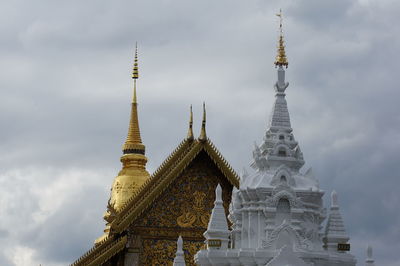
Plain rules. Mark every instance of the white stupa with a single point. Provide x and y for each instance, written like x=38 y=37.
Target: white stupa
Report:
x=179 y=256
x=277 y=214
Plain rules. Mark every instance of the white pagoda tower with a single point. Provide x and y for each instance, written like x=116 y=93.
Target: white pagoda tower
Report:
x=277 y=214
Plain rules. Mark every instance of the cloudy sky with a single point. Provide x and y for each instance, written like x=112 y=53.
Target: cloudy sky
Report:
x=65 y=87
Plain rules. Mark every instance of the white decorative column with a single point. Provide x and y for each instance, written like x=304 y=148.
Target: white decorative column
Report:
x=245 y=231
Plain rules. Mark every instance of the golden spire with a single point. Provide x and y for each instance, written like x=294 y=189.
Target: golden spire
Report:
x=203 y=135
x=190 y=130
x=281 y=59
x=133 y=143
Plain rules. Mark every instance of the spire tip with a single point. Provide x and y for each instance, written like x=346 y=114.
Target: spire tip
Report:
x=203 y=135
x=281 y=59
x=190 y=130
x=135 y=73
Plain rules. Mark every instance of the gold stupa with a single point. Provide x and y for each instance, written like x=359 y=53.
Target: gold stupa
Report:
x=133 y=174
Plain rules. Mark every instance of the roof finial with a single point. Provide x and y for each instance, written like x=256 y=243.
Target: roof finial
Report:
x=190 y=130
x=281 y=59
x=203 y=135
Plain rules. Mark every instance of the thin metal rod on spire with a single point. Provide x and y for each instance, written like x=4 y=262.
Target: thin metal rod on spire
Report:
x=280 y=21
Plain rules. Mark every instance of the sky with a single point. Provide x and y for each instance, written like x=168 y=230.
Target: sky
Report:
x=65 y=85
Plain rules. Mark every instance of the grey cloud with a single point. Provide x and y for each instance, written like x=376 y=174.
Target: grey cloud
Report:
x=3 y=233
x=70 y=230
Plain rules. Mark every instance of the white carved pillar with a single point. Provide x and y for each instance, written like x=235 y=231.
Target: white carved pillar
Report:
x=260 y=228
x=253 y=228
x=245 y=228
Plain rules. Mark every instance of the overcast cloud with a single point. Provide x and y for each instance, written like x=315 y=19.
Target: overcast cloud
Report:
x=65 y=88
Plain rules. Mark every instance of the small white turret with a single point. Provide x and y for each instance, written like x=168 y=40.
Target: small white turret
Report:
x=217 y=234
x=179 y=257
x=369 y=261
x=335 y=234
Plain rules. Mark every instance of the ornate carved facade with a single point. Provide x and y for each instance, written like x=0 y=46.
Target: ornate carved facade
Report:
x=183 y=209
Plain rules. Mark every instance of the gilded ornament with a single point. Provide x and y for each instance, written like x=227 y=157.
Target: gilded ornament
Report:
x=281 y=59
x=198 y=214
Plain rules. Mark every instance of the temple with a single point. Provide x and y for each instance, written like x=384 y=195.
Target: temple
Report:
x=195 y=210
x=146 y=213
x=277 y=213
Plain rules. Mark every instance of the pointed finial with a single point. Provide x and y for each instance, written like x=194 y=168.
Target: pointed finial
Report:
x=135 y=73
x=203 y=135
x=334 y=199
x=281 y=59
x=133 y=143
x=369 y=252
x=179 y=256
x=180 y=243
x=218 y=193
x=369 y=261
x=243 y=175
x=190 y=130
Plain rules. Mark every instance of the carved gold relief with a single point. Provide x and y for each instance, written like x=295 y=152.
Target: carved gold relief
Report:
x=186 y=219
x=188 y=203
x=198 y=214
x=158 y=252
